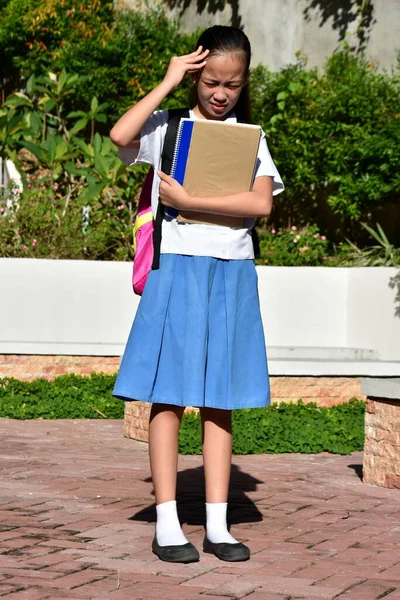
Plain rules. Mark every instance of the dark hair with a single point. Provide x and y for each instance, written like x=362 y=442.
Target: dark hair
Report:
x=221 y=39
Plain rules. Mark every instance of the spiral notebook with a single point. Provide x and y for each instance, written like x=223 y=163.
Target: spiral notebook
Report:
x=215 y=158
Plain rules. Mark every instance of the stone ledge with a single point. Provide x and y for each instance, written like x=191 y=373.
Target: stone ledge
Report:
x=381 y=388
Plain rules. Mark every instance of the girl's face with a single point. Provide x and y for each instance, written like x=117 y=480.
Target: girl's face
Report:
x=219 y=85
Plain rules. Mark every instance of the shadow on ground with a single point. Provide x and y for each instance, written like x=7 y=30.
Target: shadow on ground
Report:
x=191 y=499
x=358 y=470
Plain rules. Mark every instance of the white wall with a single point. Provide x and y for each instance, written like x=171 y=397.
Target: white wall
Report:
x=317 y=320
x=279 y=28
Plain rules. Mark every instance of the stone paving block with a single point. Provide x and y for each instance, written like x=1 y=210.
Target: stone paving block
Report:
x=93 y=589
x=317 y=572
x=267 y=596
x=370 y=590
x=238 y=588
x=342 y=581
x=29 y=594
x=302 y=588
x=6 y=589
x=355 y=555
x=209 y=580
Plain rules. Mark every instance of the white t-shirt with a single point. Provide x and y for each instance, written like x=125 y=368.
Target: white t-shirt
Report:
x=192 y=238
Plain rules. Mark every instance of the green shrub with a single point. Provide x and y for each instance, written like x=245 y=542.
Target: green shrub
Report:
x=67 y=397
x=295 y=247
x=122 y=52
x=300 y=427
x=275 y=429
x=335 y=137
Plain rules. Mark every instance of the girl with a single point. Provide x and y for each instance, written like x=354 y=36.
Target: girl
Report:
x=197 y=339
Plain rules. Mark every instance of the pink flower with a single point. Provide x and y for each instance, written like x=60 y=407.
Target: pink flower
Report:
x=324 y=258
x=121 y=207
x=33 y=243
x=55 y=187
x=273 y=232
x=25 y=248
x=295 y=240
x=323 y=238
x=30 y=187
x=294 y=228
x=107 y=214
x=316 y=235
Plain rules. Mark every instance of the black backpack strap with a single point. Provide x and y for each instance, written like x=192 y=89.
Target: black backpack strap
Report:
x=174 y=117
x=254 y=234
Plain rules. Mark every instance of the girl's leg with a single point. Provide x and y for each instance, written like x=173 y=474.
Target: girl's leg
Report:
x=217 y=456
x=164 y=425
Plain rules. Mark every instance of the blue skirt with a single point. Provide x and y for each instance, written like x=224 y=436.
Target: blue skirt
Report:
x=197 y=338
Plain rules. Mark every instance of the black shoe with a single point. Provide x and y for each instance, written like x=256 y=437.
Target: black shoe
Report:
x=228 y=552
x=185 y=553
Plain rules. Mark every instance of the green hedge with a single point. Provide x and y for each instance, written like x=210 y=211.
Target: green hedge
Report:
x=67 y=397
x=300 y=427
x=291 y=427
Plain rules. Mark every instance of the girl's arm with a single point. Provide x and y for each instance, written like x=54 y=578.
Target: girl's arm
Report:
x=126 y=132
x=257 y=203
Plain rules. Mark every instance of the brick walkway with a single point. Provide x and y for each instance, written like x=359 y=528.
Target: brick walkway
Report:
x=77 y=519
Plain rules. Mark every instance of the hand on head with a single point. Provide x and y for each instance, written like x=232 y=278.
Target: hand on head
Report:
x=188 y=63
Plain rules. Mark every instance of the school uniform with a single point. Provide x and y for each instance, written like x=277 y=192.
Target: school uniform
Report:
x=197 y=338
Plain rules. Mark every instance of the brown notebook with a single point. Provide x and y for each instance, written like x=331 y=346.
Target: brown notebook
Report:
x=215 y=158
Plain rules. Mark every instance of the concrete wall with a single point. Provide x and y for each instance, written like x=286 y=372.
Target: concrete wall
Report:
x=318 y=321
x=280 y=28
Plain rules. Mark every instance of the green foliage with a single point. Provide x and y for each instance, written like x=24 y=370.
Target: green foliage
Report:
x=384 y=254
x=335 y=137
x=78 y=198
x=294 y=247
x=275 y=429
x=123 y=53
x=300 y=427
x=67 y=397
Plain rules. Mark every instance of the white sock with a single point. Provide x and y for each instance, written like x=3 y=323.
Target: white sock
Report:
x=168 y=528
x=217 y=529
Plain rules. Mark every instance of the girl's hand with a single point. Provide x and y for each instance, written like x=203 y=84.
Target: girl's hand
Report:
x=172 y=193
x=180 y=65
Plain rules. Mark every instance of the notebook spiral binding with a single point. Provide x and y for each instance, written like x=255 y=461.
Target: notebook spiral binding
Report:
x=177 y=143
x=170 y=212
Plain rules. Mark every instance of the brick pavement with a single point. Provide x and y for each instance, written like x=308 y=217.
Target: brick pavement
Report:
x=77 y=519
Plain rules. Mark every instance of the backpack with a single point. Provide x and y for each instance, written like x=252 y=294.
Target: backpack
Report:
x=147 y=230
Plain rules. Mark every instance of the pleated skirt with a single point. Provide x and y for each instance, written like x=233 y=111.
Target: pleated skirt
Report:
x=197 y=338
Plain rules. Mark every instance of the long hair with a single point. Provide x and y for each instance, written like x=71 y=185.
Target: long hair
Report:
x=221 y=39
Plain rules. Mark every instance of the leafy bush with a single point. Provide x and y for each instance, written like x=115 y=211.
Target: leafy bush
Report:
x=279 y=428
x=335 y=136
x=67 y=397
x=300 y=427
x=295 y=247
x=382 y=254
x=78 y=199
x=122 y=52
